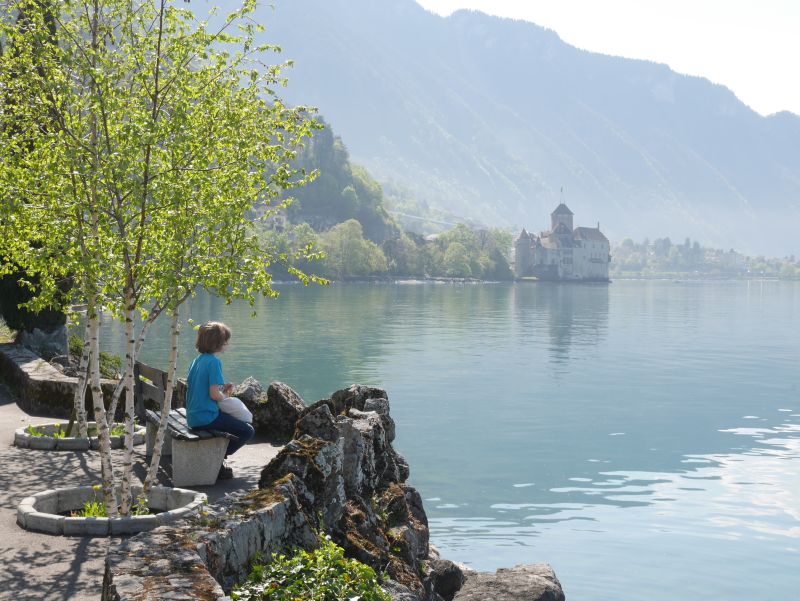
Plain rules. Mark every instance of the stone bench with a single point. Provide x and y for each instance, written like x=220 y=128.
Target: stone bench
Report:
x=196 y=454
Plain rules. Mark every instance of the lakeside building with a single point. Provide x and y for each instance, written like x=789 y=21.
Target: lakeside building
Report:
x=564 y=252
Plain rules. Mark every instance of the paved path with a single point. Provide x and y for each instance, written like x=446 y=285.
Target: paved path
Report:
x=39 y=566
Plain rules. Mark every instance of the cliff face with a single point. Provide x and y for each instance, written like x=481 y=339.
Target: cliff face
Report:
x=339 y=474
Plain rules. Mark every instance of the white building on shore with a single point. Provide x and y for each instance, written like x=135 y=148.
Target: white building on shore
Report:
x=564 y=252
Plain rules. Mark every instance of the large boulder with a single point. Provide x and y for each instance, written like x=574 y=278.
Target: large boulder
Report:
x=535 y=582
x=277 y=414
x=249 y=391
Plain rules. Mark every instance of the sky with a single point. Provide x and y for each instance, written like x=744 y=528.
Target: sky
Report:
x=749 y=46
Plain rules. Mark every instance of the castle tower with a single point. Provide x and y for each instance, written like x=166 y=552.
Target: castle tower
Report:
x=523 y=254
x=562 y=214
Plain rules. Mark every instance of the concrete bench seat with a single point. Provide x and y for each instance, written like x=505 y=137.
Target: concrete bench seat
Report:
x=196 y=454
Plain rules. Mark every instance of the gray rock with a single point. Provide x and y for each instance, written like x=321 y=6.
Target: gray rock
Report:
x=535 y=582
x=249 y=391
x=277 y=414
x=447 y=578
x=318 y=423
x=355 y=397
x=318 y=464
x=62 y=360
x=398 y=592
x=45 y=344
x=381 y=407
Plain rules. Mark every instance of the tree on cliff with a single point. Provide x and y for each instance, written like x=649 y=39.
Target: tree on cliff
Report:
x=137 y=143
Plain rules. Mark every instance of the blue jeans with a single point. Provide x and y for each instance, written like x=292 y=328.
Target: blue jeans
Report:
x=226 y=423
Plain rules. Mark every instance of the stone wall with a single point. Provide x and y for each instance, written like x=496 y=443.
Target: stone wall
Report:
x=40 y=388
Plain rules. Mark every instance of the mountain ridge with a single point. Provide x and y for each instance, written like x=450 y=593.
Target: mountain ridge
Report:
x=489 y=118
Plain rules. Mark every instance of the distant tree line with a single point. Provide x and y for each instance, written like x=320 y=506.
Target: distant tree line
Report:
x=458 y=253
x=342 y=215
x=662 y=256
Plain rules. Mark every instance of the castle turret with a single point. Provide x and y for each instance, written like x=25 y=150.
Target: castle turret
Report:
x=562 y=214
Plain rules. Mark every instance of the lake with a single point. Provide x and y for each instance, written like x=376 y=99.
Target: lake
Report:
x=642 y=437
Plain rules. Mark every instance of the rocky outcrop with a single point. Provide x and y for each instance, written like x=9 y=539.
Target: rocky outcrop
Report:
x=355 y=480
x=535 y=582
x=338 y=474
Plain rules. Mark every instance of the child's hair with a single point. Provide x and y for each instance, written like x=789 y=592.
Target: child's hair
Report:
x=212 y=336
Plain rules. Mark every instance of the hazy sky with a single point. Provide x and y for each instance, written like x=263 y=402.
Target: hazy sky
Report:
x=750 y=46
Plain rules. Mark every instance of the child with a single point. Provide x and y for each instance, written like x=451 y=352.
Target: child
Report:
x=207 y=406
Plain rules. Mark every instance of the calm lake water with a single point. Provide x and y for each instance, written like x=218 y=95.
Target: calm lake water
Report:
x=642 y=437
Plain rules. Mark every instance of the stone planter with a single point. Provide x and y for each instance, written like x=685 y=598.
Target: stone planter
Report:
x=73 y=443
x=41 y=512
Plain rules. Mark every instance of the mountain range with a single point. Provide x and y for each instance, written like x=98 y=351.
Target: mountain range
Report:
x=497 y=121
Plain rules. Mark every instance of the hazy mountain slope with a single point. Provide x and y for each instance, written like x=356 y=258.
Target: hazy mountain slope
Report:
x=489 y=117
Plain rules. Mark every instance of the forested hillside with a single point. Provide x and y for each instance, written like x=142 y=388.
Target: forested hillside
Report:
x=342 y=214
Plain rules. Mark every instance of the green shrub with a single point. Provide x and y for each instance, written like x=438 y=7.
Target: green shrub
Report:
x=320 y=575
x=110 y=365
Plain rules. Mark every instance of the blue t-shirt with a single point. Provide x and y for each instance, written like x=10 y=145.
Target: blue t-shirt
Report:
x=205 y=371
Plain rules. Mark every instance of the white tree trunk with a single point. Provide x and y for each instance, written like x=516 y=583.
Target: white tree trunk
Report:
x=112 y=411
x=109 y=494
x=130 y=351
x=79 y=402
x=166 y=407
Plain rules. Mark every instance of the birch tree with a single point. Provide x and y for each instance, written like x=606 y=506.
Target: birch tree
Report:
x=141 y=141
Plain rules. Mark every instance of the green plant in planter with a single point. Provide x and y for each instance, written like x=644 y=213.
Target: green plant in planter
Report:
x=97 y=509
x=38 y=432
x=323 y=574
x=32 y=430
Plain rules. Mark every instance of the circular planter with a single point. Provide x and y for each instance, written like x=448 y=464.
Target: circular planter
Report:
x=73 y=443
x=41 y=512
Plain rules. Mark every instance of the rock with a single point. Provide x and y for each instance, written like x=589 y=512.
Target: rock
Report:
x=248 y=391
x=446 y=577
x=318 y=464
x=62 y=360
x=535 y=582
x=318 y=423
x=277 y=414
x=355 y=397
x=45 y=344
x=398 y=592
x=403 y=471
x=381 y=407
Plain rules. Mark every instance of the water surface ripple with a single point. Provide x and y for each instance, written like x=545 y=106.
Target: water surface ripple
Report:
x=642 y=437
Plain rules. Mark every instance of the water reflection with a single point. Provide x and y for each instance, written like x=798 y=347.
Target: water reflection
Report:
x=572 y=313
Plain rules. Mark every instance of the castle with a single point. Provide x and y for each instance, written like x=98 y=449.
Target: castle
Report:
x=563 y=253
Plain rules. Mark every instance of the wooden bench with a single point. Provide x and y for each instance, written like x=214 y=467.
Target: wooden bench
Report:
x=196 y=454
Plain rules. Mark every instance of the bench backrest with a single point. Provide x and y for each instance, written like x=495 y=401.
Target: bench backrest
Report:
x=152 y=389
